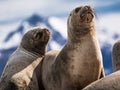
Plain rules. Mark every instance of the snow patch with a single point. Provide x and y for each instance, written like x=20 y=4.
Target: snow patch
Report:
x=55 y=46
x=14 y=41
x=108 y=28
x=59 y=24
x=5 y=29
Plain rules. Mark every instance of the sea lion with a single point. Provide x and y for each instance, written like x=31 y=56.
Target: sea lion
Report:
x=79 y=63
x=116 y=56
x=22 y=71
x=112 y=81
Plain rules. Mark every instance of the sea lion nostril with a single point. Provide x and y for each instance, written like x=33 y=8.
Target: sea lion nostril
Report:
x=77 y=9
x=40 y=34
x=87 y=7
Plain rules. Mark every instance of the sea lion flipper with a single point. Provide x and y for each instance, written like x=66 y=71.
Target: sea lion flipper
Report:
x=8 y=86
x=18 y=81
x=102 y=73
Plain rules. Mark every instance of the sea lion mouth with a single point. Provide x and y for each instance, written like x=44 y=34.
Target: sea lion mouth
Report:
x=87 y=16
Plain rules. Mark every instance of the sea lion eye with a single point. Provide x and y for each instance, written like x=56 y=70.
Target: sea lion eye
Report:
x=38 y=35
x=77 y=9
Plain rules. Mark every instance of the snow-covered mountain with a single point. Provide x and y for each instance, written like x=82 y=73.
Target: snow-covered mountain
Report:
x=11 y=35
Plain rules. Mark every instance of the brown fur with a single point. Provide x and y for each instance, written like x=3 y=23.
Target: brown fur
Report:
x=112 y=81
x=79 y=63
x=116 y=56
x=23 y=69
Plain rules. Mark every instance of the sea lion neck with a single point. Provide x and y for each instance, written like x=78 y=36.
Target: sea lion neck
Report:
x=79 y=33
x=38 y=52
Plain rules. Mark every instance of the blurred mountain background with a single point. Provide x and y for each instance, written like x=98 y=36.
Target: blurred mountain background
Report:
x=18 y=16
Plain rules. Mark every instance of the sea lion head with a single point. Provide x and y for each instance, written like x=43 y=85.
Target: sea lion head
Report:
x=35 y=40
x=80 y=20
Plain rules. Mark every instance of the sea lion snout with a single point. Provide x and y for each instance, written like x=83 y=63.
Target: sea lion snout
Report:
x=41 y=34
x=87 y=13
x=46 y=33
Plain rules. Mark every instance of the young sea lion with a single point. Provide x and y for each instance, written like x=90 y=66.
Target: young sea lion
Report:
x=79 y=63
x=22 y=71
